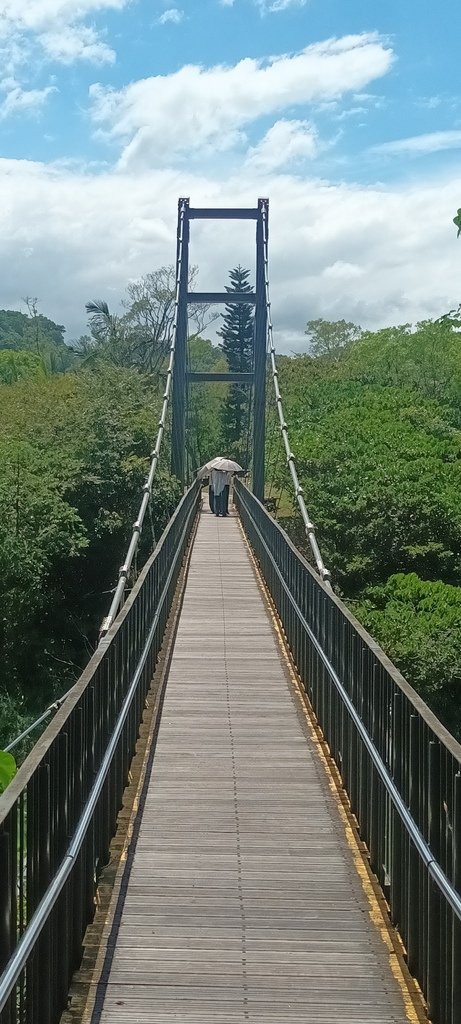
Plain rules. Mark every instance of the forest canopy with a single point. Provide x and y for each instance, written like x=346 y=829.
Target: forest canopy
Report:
x=375 y=424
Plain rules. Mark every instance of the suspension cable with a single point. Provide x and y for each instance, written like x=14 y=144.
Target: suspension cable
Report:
x=147 y=489
x=299 y=493
x=38 y=721
x=145 y=504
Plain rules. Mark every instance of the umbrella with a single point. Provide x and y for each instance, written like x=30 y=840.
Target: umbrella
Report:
x=226 y=465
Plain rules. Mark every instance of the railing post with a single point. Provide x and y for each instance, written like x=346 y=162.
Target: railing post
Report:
x=5 y=899
x=396 y=845
x=456 y=927
x=414 y=864
x=433 y=952
x=44 y=965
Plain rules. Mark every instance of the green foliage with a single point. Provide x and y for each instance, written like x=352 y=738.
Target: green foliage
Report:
x=73 y=456
x=457 y=221
x=377 y=436
x=7 y=769
x=426 y=359
x=330 y=339
x=35 y=333
x=237 y=346
x=418 y=623
x=142 y=335
x=205 y=403
x=382 y=474
x=14 y=365
x=19 y=330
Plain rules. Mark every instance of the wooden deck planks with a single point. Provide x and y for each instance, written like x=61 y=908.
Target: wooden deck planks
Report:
x=243 y=901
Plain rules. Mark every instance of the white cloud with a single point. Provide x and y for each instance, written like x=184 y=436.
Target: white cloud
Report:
x=432 y=142
x=287 y=142
x=57 y=27
x=173 y=15
x=373 y=256
x=272 y=6
x=76 y=42
x=341 y=271
x=37 y=15
x=163 y=116
x=22 y=100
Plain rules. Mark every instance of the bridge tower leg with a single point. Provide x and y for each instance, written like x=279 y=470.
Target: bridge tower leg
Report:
x=178 y=438
x=259 y=356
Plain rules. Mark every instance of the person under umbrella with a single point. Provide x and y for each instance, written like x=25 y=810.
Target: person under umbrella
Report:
x=219 y=481
x=226 y=466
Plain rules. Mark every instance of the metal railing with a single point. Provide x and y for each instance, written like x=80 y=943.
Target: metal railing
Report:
x=59 y=814
x=400 y=767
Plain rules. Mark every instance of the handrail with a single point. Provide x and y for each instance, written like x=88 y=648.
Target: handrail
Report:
x=60 y=721
x=416 y=836
x=400 y=767
x=38 y=921
x=71 y=785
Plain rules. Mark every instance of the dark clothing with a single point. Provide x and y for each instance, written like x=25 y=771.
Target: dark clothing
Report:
x=220 y=503
x=211 y=498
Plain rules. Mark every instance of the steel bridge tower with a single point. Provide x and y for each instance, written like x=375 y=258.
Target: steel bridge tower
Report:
x=257 y=378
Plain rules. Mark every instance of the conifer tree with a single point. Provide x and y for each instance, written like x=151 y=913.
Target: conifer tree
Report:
x=237 y=346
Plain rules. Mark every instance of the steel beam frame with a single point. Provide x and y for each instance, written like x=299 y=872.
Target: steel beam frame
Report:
x=197 y=377
x=258 y=377
x=222 y=297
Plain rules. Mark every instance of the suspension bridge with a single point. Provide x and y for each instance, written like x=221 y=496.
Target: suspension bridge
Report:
x=241 y=811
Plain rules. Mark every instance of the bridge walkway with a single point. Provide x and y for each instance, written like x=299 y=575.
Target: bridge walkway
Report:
x=244 y=902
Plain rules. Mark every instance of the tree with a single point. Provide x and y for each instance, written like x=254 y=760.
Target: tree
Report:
x=237 y=346
x=142 y=335
x=381 y=468
x=425 y=357
x=74 y=453
x=110 y=340
x=204 y=402
x=35 y=333
x=331 y=338
x=17 y=364
x=150 y=310
x=418 y=622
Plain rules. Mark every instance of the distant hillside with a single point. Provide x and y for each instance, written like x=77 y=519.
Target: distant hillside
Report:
x=35 y=333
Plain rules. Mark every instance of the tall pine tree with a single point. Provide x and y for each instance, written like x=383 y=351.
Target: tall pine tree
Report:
x=237 y=346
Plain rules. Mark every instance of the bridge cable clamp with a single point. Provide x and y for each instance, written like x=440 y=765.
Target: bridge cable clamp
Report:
x=105 y=625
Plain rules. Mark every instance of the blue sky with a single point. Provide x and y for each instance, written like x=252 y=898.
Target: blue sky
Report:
x=348 y=115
